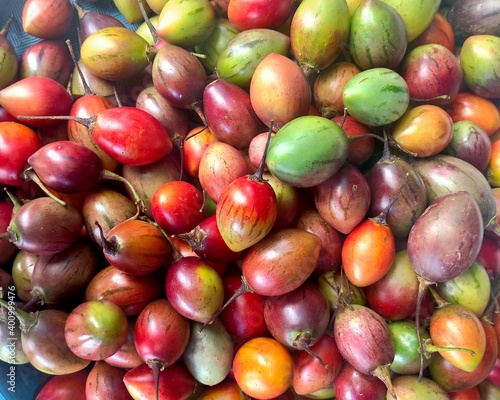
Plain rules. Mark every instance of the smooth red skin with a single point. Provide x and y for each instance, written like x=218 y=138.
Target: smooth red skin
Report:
x=161 y=333
x=194 y=288
x=36 y=96
x=87 y=106
x=331 y=240
x=308 y=374
x=343 y=199
x=244 y=316
x=364 y=269
x=87 y=342
x=432 y=71
x=351 y=384
x=127 y=356
x=197 y=140
x=71 y=386
x=489 y=256
x=360 y=150
x=302 y=310
x=466 y=394
x=105 y=382
x=175 y=382
x=229 y=113
x=141 y=247
x=363 y=338
x=394 y=296
x=47 y=19
x=220 y=164
x=130 y=135
x=5 y=116
x=281 y=262
x=439 y=31
x=66 y=166
x=131 y=292
x=206 y=241
x=177 y=206
x=50 y=58
x=494 y=375
x=452 y=378
x=246 y=212
x=250 y=14
x=17 y=143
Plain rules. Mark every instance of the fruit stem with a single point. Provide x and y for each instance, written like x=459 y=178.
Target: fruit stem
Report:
x=26 y=320
x=382 y=372
x=86 y=122
x=257 y=176
x=431 y=348
x=156 y=366
x=152 y=29
x=492 y=229
x=80 y=11
x=493 y=303
x=5 y=28
x=198 y=109
x=440 y=302
x=244 y=288
x=109 y=246
x=17 y=203
x=30 y=174
x=175 y=252
x=382 y=217
x=423 y=285
x=85 y=85
x=302 y=341
x=109 y=175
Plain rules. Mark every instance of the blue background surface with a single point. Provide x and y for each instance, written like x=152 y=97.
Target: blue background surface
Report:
x=29 y=381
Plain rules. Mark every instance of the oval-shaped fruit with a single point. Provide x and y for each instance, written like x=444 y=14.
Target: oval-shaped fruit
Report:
x=115 y=53
x=242 y=54
x=318 y=32
x=377 y=37
x=376 y=97
x=480 y=61
x=279 y=91
x=307 y=151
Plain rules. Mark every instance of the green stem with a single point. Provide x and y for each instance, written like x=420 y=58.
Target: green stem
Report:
x=26 y=320
x=30 y=174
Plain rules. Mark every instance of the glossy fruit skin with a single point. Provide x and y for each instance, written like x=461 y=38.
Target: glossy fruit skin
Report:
x=296 y=157
x=24 y=97
x=60 y=386
x=137 y=247
x=128 y=133
x=394 y=296
x=435 y=65
x=362 y=96
x=377 y=36
x=439 y=31
x=44 y=227
x=52 y=357
x=406 y=347
x=47 y=20
x=454 y=325
x=105 y=382
x=425 y=130
x=363 y=338
x=251 y=14
x=430 y=256
x=175 y=383
x=246 y=212
x=364 y=269
x=350 y=384
x=343 y=199
x=159 y=322
x=263 y=368
x=318 y=31
x=18 y=143
x=267 y=264
x=309 y=375
x=131 y=292
x=452 y=378
x=66 y=166
x=177 y=206
x=411 y=388
x=194 y=288
x=243 y=317
x=96 y=329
